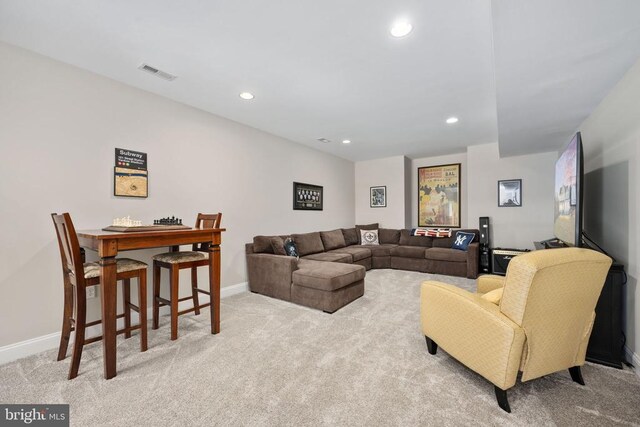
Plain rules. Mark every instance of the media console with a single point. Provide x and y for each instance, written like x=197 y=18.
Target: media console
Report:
x=606 y=345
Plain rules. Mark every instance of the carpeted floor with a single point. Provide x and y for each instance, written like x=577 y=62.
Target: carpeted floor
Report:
x=275 y=363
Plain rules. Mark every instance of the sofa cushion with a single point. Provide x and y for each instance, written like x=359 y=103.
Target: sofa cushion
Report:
x=445 y=254
x=332 y=239
x=380 y=250
x=277 y=245
x=373 y=226
x=308 y=243
x=357 y=252
x=262 y=244
x=406 y=239
x=350 y=236
x=369 y=237
x=389 y=235
x=326 y=276
x=408 y=251
x=330 y=257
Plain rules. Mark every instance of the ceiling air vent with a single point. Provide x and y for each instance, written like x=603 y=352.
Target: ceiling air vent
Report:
x=158 y=73
x=324 y=140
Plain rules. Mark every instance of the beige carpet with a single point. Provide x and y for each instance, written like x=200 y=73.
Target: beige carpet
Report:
x=276 y=363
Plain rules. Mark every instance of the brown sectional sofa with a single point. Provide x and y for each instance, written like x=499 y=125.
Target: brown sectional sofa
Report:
x=331 y=269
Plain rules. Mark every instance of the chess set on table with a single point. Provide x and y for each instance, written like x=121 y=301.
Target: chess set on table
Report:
x=126 y=224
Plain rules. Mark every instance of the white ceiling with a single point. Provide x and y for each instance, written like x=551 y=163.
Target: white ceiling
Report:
x=330 y=68
x=555 y=60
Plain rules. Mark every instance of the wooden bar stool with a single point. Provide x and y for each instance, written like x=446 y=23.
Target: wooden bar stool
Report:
x=77 y=276
x=176 y=261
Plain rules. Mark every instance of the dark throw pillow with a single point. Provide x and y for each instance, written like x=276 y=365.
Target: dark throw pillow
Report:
x=277 y=245
x=462 y=240
x=262 y=244
x=290 y=247
x=351 y=236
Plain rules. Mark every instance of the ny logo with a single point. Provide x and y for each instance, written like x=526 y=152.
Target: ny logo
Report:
x=460 y=240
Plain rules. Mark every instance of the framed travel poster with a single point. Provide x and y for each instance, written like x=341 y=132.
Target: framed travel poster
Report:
x=439 y=196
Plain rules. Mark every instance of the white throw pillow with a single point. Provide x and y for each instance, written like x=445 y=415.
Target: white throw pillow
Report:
x=369 y=237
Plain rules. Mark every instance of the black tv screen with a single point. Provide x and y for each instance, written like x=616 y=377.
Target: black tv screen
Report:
x=568 y=194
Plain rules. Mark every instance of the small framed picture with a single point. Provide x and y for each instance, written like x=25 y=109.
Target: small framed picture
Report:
x=307 y=197
x=130 y=182
x=510 y=193
x=378 y=197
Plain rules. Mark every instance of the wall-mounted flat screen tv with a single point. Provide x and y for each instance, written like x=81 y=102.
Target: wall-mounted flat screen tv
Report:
x=568 y=193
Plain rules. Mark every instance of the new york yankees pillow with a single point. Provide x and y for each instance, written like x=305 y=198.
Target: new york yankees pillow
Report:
x=462 y=240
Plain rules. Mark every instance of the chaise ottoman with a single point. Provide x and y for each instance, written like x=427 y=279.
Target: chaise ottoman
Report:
x=327 y=286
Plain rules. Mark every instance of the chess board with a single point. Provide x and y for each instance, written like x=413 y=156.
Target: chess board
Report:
x=142 y=228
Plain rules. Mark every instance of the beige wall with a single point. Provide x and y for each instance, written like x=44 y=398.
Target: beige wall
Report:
x=389 y=172
x=511 y=227
x=482 y=167
x=611 y=140
x=59 y=126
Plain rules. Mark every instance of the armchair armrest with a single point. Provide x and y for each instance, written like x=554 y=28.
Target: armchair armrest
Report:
x=489 y=282
x=271 y=274
x=473 y=331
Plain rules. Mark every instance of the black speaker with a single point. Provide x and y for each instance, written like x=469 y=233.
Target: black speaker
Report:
x=484 y=230
x=485 y=259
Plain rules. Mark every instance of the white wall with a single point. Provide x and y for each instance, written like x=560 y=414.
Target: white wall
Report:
x=372 y=173
x=59 y=126
x=435 y=161
x=611 y=140
x=511 y=227
x=408 y=173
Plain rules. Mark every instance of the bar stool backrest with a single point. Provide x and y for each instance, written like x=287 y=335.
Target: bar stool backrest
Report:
x=72 y=266
x=206 y=221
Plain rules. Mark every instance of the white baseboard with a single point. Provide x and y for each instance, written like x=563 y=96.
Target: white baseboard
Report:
x=633 y=358
x=11 y=352
x=236 y=289
x=16 y=351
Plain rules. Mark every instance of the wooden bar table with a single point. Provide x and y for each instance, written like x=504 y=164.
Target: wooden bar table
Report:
x=108 y=244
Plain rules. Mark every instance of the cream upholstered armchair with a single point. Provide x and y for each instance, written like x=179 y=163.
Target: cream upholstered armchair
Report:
x=537 y=319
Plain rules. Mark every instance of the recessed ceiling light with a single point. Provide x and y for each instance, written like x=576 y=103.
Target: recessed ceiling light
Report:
x=401 y=28
x=246 y=95
x=452 y=120
x=346 y=141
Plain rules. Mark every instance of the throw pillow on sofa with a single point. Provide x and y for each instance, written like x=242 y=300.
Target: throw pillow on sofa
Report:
x=332 y=239
x=462 y=240
x=290 y=247
x=388 y=235
x=351 y=236
x=262 y=244
x=277 y=245
x=359 y=228
x=369 y=237
x=431 y=232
